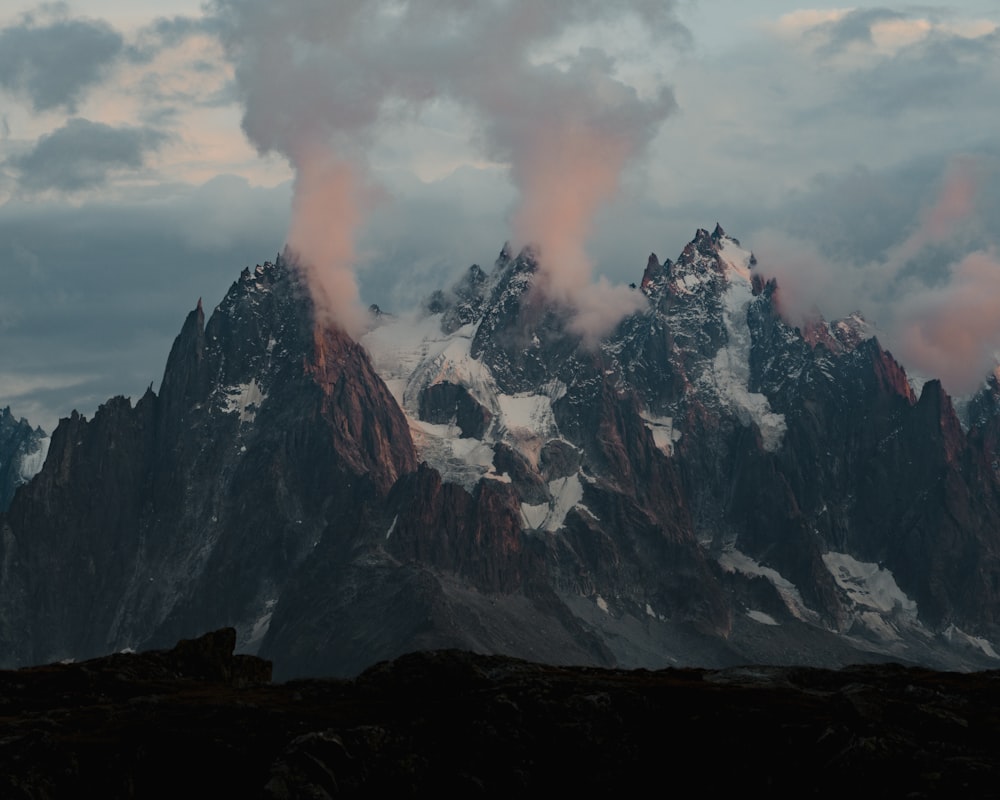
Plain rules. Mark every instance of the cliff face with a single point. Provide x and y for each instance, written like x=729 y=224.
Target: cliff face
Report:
x=22 y=453
x=706 y=485
x=198 y=503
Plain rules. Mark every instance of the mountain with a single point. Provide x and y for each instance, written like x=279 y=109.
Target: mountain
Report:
x=22 y=453
x=706 y=485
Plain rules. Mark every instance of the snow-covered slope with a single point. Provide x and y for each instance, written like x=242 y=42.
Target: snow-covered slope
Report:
x=412 y=354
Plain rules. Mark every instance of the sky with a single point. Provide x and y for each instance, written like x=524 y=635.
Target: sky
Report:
x=150 y=151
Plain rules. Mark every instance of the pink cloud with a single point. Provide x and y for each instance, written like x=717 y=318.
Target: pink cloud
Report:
x=954 y=204
x=329 y=202
x=329 y=74
x=953 y=332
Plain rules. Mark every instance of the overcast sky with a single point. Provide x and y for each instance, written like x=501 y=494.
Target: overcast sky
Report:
x=149 y=151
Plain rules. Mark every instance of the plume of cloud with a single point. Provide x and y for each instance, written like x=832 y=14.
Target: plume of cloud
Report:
x=568 y=125
x=310 y=94
x=329 y=199
x=318 y=79
x=954 y=204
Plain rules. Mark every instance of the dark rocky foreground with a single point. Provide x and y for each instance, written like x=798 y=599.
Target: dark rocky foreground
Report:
x=197 y=721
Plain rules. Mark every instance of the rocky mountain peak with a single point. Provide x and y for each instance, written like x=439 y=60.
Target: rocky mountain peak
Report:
x=838 y=336
x=652 y=274
x=709 y=484
x=22 y=453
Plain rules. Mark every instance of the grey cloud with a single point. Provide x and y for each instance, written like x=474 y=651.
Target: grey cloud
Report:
x=171 y=31
x=167 y=32
x=82 y=154
x=857 y=215
x=153 y=93
x=54 y=63
x=937 y=72
x=942 y=71
x=407 y=250
x=855 y=26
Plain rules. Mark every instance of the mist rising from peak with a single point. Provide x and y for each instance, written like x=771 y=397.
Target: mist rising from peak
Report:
x=542 y=84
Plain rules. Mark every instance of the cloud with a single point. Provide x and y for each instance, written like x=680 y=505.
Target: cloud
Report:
x=568 y=130
x=543 y=88
x=953 y=332
x=19 y=385
x=852 y=27
x=941 y=71
x=932 y=280
x=170 y=32
x=312 y=91
x=54 y=62
x=83 y=154
x=600 y=306
x=954 y=204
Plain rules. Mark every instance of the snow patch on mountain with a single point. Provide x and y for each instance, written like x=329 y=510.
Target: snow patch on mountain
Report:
x=567 y=494
x=530 y=412
x=955 y=635
x=735 y=259
x=762 y=618
x=258 y=630
x=869 y=585
x=398 y=345
x=31 y=463
x=730 y=372
x=244 y=399
x=459 y=460
x=880 y=605
x=411 y=353
x=664 y=434
x=732 y=560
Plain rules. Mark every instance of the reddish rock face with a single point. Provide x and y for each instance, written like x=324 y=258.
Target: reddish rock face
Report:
x=477 y=536
x=367 y=428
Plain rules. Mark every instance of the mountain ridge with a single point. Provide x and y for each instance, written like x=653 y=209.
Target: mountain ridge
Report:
x=707 y=485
